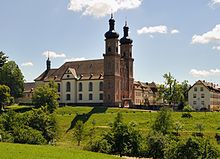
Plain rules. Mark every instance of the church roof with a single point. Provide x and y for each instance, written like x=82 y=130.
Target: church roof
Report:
x=83 y=70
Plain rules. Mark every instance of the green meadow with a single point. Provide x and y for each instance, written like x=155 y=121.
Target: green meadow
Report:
x=19 y=151
x=101 y=118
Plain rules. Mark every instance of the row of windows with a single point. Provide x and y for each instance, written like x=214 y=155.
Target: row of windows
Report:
x=202 y=102
x=202 y=95
x=201 y=89
x=90 y=87
x=80 y=97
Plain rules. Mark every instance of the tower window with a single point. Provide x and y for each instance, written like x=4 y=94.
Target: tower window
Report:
x=68 y=87
x=90 y=86
x=116 y=49
x=80 y=87
x=109 y=49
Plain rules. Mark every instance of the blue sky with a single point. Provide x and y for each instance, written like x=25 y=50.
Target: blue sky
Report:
x=181 y=37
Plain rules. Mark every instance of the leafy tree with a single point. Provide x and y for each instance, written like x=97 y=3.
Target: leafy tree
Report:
x=173 y=92
x=157 y=143
x=4 y=96
x=194 y=148
x=123 y=138
x=79 y=131
x=11 y=75
x=163 y=122
x=3 y=58
x=41 y=120
x=46 y=95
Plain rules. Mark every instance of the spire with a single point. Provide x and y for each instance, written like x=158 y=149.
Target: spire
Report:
x=126 y=39
x=48 y=62
x=111 y=33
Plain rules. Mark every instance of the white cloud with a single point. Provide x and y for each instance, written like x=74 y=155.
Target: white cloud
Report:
x=53 y=54
x=27 y=64
x=210 y=36
x=216 y=48
x=162 y=29
x=174 y=31
x=205 y=73
x=100 y=8
x=214 y=2
x=75 y=59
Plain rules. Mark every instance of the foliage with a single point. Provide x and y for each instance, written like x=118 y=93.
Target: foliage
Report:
x=156 y=143
x=193 y=148
x=40 y=120
x=173 y=92
x=26 y=134
x=163 y=122
x=3 y=58
x=46 y=95
x=188 y=108
x=177 y=126
x=79 y=131
x=35 y=127
x=122 y=139
x=4 y=96
x=11 y=75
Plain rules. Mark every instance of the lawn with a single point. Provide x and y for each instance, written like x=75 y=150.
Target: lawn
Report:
x=21 y=151
x=102 y=117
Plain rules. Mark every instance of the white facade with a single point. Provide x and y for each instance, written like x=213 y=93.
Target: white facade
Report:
x=204 y=95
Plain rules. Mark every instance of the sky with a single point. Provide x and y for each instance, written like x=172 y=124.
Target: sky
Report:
x=177 y=36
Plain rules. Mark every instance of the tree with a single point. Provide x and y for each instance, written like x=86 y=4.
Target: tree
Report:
x=46 y=95
x=173 y=92
x=11 y=75
x=79 y=131
x=163 y=122
x=3 y=59
x=157 y=143
x=123 y=138
x=4 y=96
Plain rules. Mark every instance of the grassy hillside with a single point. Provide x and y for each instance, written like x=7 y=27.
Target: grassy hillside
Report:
x=67 y=117
x=19 y=151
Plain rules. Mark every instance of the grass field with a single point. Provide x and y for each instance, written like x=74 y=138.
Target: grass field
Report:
x=19 y=151
x=103 y=117
x=143 y=119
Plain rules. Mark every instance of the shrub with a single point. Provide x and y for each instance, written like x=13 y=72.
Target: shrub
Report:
x=186 y=115
x=25 y=134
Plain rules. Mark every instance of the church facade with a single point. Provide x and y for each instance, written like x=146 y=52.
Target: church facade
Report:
x=108 y=81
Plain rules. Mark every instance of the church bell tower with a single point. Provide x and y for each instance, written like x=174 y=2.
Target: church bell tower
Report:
x=127 y=79
x=112 y=79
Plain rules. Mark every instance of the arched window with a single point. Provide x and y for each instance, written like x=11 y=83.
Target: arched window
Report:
x=109 y=49
x=58 y=87
x=68 y=97
x=80 y=86
x=90 y=96
x=68 y=87
x=90 y=86
x=101 y=86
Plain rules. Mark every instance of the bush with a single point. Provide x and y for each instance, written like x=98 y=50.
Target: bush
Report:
x=25 y=134
x=156 y=143
x=186 y=115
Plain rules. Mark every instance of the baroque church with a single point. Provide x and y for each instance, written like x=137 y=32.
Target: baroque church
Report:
x=107 y=81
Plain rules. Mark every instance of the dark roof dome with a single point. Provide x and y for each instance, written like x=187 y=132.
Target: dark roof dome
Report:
x=126 y=39
x=111 y=33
